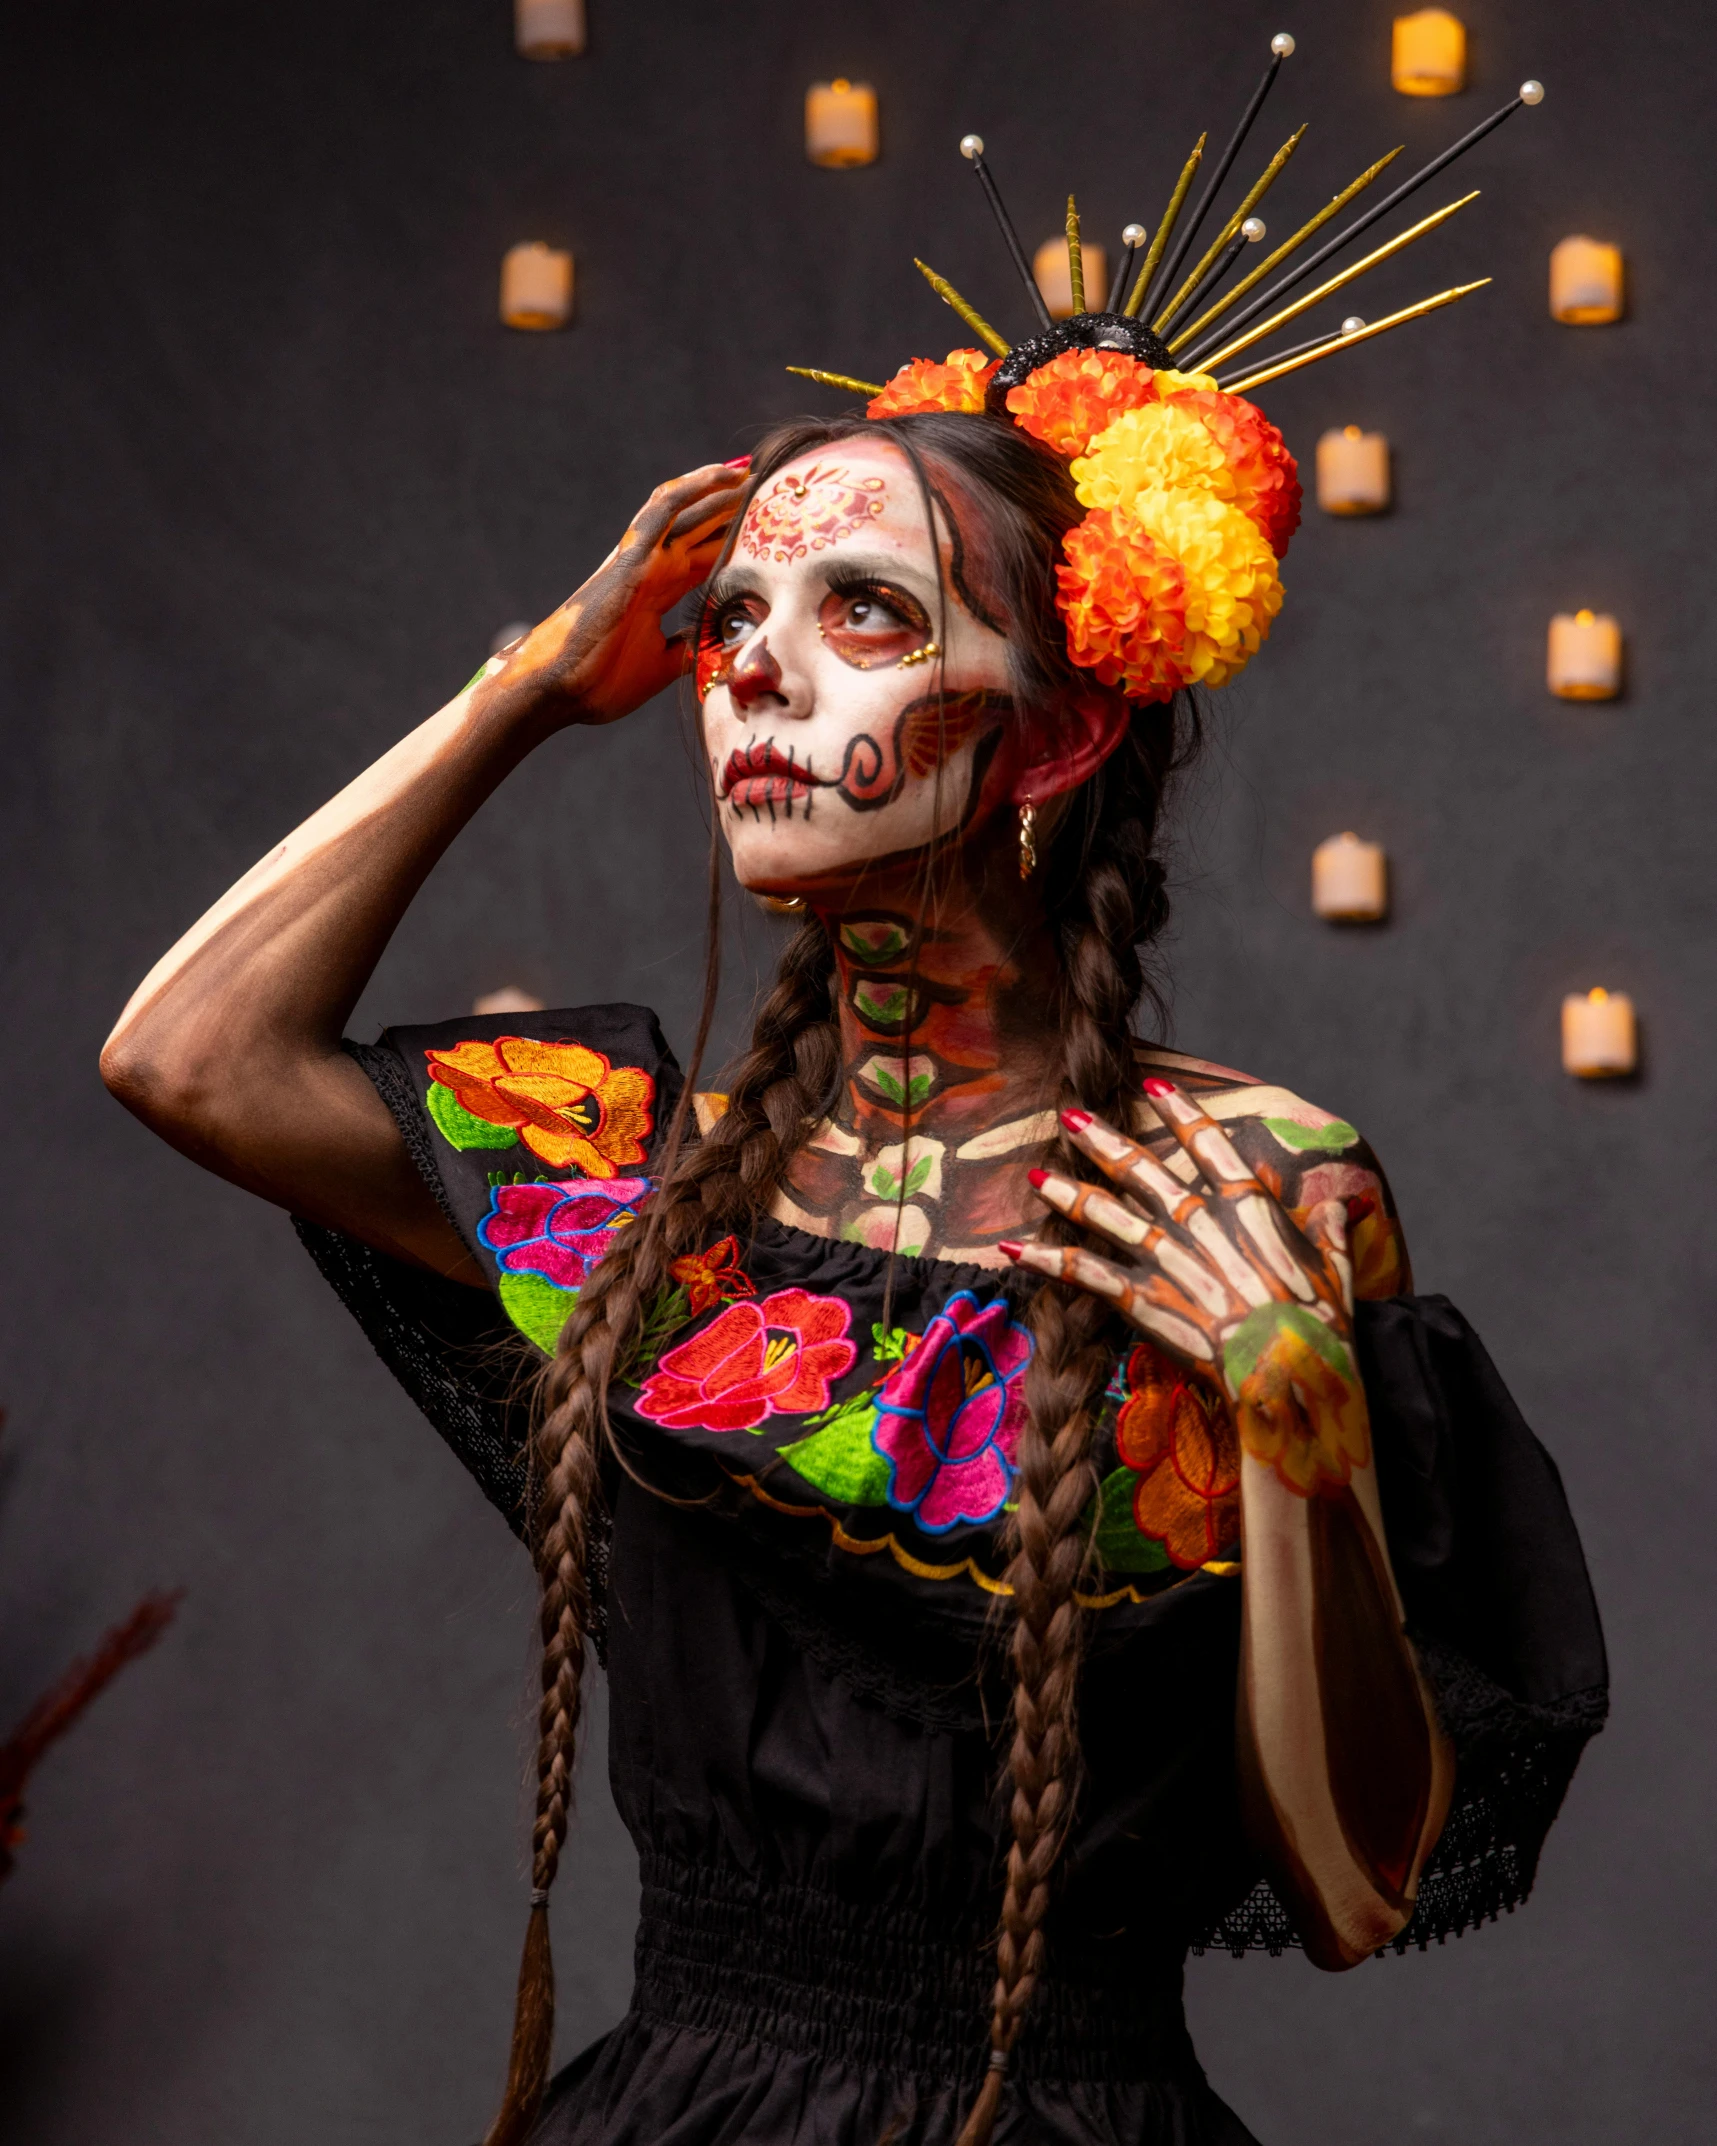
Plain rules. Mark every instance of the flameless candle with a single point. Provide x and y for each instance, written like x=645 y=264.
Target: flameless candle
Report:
x=1350 y=882
x=1585 y=282
x=1430 y=54
x=840 y=123
x=1598 y=1036
x=1054 y=273
x=1353 y=471
x=511 y=998
x=536 y=286
x=1585 y=656
x=548 y=29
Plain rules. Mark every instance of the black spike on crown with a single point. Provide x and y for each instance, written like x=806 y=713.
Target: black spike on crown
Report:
x=1086 y=331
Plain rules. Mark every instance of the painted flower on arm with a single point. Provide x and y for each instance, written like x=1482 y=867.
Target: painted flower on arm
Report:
x=1298 y=1401
x=948 y=1418
x=778 y=1357
x=569 y=1106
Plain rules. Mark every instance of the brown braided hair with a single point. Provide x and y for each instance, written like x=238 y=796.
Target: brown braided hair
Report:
x=1104 y=892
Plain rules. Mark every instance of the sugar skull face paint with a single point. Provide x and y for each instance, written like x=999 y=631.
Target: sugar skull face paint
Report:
x=852 y=709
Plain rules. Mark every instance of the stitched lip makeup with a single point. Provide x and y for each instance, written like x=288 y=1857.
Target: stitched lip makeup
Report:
x=761 y=777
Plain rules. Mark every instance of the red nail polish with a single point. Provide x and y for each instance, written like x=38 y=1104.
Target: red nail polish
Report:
x=738 y=462
x=1038 y=1177
x=1076 y=1120
x=1010 y=1248
x=1159 y=1087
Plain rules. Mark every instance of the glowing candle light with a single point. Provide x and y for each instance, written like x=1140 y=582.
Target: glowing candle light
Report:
x=511 y=998
x=1350 y=881
x=1353 y=471
x=548 y=29
x=1585 y=282
x=1429 y=58
x=840 y=123
x=1584 y=660
x=536 y=286
x=1599 y=1037
x=1054 y=272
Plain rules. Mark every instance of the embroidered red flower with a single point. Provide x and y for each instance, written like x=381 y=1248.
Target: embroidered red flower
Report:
x=1187 y=1457
x=712 y=1276
x=777 y=1358
x=948 y=1419
x=567 y=1104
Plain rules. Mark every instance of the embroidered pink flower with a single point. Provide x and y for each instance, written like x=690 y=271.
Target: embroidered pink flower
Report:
x=558 y=1231
x=948 y=1419
x=776 y=1358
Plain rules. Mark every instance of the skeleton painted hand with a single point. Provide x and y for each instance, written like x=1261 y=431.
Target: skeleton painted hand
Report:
x=1222 y=1280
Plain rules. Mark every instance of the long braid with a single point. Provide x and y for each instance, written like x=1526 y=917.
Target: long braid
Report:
x=1106 y=895
x=779 y=1088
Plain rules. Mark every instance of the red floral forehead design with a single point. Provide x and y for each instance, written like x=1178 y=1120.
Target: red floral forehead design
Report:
x=1172 y=577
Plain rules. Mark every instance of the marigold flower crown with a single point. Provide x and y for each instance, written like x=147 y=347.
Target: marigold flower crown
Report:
x=1191 y=496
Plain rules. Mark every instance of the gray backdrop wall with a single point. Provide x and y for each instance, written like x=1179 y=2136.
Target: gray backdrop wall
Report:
x=274 y=475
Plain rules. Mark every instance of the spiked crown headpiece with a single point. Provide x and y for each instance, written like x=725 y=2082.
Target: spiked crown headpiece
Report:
x=1171 y=579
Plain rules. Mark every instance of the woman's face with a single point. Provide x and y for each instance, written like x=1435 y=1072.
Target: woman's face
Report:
x=836 y=735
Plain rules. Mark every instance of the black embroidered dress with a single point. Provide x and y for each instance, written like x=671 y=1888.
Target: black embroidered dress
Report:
x=804 y=1663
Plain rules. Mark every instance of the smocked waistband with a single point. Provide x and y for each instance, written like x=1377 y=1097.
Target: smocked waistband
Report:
x=884 y=1987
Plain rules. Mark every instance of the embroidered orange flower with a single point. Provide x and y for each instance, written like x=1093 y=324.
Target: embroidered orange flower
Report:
x=1182 y=1444
x=714 y=1276
x=1079 y=394
x=956 y=384
x=569 y=1106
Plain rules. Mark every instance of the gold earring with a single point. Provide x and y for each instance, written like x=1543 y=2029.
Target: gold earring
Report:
x=1027 y=841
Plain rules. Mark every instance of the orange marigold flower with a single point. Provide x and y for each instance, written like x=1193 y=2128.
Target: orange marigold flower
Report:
x=1265 y=475
x=569 y=1106
x=1123 y=601
x=1079 y=394
x=958 y=383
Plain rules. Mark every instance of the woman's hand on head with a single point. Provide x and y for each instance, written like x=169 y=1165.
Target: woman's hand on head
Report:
x=604 y=653
x=1216 y=1272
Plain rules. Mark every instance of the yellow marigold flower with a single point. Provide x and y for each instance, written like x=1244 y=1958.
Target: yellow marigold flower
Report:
x=1233 y=588
x=1158 y=448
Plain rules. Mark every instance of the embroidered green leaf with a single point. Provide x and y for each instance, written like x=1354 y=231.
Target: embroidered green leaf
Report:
x=1260 y=1328
x=839 y=1458
x=1327 y=1139
x=459 y=1128
x=536 y=1307
x=1119 y=1544
x=890 y=1347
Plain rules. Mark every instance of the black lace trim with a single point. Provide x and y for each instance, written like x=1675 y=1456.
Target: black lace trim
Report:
x=392 y=1083
x=1514 y=1762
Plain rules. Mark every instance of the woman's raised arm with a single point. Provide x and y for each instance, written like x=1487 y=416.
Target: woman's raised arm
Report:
x=230 y=1047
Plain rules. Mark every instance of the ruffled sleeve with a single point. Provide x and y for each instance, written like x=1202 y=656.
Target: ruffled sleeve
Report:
x=1499 y=1607
x=536 y=1134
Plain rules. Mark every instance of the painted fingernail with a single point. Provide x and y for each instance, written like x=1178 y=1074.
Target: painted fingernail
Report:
x=1159 y=1087
x=1038 y=1177
x=738 y=462
x=1076 y=1120
x=1010 y=1248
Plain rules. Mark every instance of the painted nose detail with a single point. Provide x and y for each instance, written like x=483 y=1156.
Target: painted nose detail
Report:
x=755 y=675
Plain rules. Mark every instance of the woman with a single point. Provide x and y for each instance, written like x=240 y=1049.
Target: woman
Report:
x=970 y=1384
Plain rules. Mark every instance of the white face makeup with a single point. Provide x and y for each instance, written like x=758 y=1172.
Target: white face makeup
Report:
x=820 y=677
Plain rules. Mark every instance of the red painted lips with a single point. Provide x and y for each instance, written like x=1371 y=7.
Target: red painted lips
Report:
x=762 y=775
